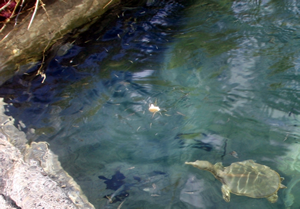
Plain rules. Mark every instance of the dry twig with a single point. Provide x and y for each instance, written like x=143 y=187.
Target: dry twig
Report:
x=35 y=10
x=34 y=13
x=5 y=6
x=107 y=4
x=12 y=13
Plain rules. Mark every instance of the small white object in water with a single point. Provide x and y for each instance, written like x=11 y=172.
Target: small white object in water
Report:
x=154 y=108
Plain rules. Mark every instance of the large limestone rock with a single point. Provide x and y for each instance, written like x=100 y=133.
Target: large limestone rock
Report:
x=30 y=183
x=31 y=175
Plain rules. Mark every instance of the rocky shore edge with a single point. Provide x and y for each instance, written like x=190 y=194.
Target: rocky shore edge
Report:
x=31 y=176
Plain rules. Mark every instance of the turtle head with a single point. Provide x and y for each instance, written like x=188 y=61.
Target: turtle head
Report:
x=205 y=165
x=201 y=164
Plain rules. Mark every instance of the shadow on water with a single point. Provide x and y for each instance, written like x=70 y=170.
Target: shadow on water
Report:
x=224 y=74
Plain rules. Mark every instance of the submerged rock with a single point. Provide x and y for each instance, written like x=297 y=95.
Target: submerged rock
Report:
x=122 y=188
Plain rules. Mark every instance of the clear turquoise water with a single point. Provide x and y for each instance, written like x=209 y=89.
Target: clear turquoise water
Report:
x=225 y=76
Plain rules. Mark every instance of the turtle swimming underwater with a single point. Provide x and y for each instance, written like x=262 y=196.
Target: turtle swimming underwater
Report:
x=245 y=178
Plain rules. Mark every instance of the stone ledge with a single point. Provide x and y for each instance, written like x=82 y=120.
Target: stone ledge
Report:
x=34 y=178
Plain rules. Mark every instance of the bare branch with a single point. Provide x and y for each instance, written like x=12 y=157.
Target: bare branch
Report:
x=34 y=13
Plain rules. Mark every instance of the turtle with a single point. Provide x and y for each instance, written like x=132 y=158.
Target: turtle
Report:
x=245 y=178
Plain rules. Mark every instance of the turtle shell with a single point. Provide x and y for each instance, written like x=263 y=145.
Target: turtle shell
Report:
x=251 y=179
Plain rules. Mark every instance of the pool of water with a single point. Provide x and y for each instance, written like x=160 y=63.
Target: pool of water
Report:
x=225 y=76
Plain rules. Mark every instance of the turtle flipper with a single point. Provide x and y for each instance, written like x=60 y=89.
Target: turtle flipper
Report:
x=273 y=198
x=282 y=186
x=226 y=193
